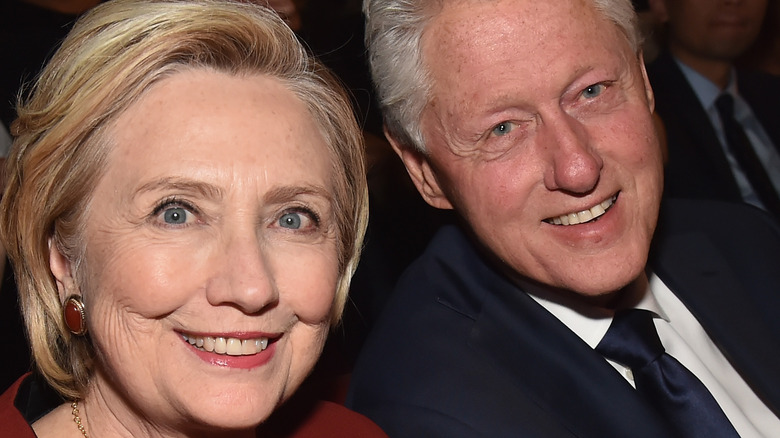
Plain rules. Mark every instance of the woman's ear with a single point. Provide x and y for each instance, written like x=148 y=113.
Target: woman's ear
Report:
x=60 y=267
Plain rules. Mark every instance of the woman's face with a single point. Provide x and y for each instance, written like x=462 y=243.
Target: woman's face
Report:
x=214 y=226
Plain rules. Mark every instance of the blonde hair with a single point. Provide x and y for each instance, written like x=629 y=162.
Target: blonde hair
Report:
x=113 y=54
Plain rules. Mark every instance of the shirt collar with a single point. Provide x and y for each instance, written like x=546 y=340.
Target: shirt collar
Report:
x=589 y=325
x=705 y=89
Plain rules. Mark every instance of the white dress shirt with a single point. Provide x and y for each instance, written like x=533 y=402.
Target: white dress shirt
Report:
x=684 y=339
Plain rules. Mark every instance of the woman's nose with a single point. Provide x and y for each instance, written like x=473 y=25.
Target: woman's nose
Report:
x=246 y=280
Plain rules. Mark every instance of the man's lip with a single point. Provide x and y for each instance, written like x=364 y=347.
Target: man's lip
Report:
x=730 y=22
x=585 y=215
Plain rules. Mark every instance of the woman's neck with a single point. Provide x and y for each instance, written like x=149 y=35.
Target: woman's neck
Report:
x=102 y=417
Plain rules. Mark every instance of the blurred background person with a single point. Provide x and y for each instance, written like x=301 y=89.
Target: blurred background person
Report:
x=30 y=31
x=183 y=221
x=764 y=55
x=721 y=122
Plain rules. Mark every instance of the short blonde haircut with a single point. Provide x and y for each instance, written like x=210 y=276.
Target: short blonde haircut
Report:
x=114 y=54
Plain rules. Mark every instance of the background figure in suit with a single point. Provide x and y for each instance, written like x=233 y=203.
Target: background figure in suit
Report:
x=764 y=55
x=703 y=39
x=532 y=121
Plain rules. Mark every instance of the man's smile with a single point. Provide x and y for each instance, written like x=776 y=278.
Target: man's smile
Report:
x=581 y=217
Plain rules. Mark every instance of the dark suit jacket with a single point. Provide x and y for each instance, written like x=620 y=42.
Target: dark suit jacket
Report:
x=461 y=351
x=697 y=167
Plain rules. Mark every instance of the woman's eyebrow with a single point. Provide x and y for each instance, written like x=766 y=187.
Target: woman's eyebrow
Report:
x=181 y=184
x=286 y=193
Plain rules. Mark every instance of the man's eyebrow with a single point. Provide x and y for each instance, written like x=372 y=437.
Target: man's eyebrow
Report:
x=285 y=193
x=181 y=184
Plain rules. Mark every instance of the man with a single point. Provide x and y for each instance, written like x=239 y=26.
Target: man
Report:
x=532 y=120
x=703 y=38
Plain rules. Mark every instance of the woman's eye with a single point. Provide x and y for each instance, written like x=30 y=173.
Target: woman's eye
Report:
x=175 y=216
x=502 y=128
x=593 y=91
x=174 y=213
x=297 y=220
x=290 y=220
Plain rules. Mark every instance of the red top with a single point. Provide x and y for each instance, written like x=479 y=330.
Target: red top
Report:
x=323 y=419
x=13 y=424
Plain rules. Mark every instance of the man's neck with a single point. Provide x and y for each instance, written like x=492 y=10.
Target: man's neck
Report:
x=717 y=71
x=593 y=306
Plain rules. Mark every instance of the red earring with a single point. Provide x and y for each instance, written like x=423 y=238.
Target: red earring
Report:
x=74 y=315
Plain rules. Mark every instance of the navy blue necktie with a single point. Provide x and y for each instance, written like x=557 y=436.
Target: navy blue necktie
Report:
x=663 y=381
x=743 y=151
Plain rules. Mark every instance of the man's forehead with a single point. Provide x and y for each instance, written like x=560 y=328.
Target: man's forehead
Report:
x=490 y=25
x=501 y=39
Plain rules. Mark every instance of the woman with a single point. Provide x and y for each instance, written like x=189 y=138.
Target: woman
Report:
x=184 y=206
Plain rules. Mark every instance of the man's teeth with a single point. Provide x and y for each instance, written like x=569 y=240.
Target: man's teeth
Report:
x=228 y=346
x=583 y=216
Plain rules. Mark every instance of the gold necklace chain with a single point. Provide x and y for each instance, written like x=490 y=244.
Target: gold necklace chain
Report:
x=77 y=419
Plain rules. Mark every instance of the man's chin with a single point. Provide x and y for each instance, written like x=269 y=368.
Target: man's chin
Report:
x=612 y=292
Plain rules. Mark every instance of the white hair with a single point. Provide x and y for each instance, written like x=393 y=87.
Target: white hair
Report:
x=394 y=30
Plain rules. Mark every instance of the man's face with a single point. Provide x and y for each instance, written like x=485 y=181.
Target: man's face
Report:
x=712 y=30
x=540 y=135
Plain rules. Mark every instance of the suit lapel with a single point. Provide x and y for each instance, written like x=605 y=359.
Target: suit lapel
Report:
x=565 y=378
x=761 y=93
x=552 y=366
x=694 y=270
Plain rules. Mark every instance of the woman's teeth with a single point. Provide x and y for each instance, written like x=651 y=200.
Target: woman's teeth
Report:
x=584 y=215
x=228 y=346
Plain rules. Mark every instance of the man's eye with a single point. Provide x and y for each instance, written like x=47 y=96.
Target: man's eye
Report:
x=502 y=128
x=175 y=216
x=593 y=91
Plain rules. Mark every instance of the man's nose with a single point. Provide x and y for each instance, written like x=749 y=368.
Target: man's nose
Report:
x=246 y=280
x=573 y=165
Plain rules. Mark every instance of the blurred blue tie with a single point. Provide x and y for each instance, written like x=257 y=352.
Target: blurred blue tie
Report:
x=743 y=151
x=663 y=381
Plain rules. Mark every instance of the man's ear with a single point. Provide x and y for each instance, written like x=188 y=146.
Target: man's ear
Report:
x=649 y=94
x=61 y=269
x=421 y=172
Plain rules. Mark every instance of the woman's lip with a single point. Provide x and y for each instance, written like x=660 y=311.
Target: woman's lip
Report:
x=236 y=362
x=237 y=335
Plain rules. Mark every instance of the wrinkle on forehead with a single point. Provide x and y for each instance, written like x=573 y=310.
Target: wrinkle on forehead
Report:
x=466 y=25
x=468 y=40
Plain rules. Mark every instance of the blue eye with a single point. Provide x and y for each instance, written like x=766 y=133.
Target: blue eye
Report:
x=290 y=220
x=175 y=216
x=502 y=128
x=593 y=91
x=174 y=212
